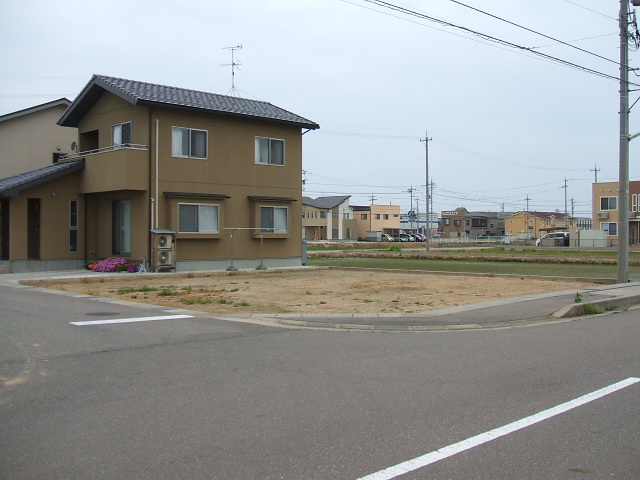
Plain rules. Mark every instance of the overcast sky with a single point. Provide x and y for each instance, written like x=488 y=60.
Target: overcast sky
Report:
x=504 y=124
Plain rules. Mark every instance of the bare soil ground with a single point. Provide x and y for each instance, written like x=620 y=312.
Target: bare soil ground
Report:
x=309 y=290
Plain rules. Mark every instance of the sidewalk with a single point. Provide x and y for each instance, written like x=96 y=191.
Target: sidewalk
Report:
x=527 y=310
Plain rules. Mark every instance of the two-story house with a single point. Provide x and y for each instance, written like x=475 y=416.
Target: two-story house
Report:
x=328 y=218
x=221 y=172
x=377 y=218
x=461 y=223
x=533 y=224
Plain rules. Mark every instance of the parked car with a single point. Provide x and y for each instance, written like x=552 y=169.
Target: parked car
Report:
x=387 y=238
x=405 y=237
x=560 y=239
x=420 y=237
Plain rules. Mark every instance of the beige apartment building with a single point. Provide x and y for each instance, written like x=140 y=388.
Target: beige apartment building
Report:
x=606 y=213
x=380 y=218
x=220 y=175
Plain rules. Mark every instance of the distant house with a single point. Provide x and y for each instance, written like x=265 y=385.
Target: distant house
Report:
x=462 y=223
x=328 y=218
x=221 y=172
x=606 y=215
x=31 y=139
x=528 y=224
x=377 y=218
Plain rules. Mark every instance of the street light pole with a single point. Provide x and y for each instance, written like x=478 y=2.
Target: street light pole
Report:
x=426 y=141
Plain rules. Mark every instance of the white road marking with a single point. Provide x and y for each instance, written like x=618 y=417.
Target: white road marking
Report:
x=131 y=320
x=455 y=448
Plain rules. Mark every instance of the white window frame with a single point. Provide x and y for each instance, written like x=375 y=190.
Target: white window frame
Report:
x=116 y=134
x=270 y=150
x=608 y=229
x=201 y=207
x=615 y=200
x=276 y=229
x=177 y=150
x=634 y=202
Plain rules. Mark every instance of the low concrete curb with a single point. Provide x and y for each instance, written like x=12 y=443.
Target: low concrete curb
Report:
x=608 y=304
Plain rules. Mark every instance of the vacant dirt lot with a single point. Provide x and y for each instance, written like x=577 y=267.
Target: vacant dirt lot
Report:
x=309 y=290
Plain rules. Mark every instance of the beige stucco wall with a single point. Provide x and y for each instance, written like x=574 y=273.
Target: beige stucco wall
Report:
x=54 y=220
x=373 y=224
x=29 y=141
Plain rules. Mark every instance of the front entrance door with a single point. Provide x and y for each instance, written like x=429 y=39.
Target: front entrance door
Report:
x=33 y=229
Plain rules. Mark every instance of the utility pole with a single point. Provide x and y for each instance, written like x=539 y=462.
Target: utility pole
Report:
x=426 y=141
x=623 y=193
x=431 y=198
x=596 y=170
x=527 y=220
x=572 y=206
x=410 y=192
x=233 y=64
x=566 y=219
x=372 y=198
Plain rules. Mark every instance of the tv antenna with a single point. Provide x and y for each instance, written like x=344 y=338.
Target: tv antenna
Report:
x=233 y=64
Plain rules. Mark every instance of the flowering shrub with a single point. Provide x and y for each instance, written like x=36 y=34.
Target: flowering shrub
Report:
x=114 y=264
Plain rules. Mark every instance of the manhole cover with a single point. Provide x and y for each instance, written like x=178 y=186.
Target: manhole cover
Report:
x=101 y=314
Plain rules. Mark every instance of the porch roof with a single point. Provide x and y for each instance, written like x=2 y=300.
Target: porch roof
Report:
x=12 y=186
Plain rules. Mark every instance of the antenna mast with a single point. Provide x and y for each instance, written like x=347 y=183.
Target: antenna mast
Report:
x=233 y=64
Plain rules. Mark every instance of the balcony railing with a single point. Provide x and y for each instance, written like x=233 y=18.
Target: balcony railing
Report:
x=97 y=151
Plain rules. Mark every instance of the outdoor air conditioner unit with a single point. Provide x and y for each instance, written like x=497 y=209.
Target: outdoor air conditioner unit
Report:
x=164 y=241
x=165 y=259
x=163 y=250
x=603 y=215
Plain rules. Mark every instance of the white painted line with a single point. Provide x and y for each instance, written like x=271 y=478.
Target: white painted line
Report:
x=455 y=448
x=131 y=320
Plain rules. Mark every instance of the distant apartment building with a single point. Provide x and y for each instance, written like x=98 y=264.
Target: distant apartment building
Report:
x=462 y=223
x=381 y=218
x=606 y=214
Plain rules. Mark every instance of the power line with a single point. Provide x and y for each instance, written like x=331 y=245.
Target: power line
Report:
x=491 y=38
x=533 y=31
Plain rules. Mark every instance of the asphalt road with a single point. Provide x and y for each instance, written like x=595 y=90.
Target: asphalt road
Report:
x=200 y=398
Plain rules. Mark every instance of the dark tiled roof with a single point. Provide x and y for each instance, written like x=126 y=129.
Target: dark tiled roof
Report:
x=360 y=208
x=142 y=93
x=12 y=186
x=325 y=203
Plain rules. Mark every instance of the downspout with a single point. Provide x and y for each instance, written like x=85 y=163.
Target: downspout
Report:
x=150 y=185
x=156 y=203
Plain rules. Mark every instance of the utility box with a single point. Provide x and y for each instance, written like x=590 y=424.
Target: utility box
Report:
x=163 y=250
x=374 y=236
x=588 y=238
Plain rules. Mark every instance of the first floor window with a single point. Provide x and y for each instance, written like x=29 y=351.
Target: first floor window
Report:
x=198 y=218
x=273 y=219
x=73 y=226
x=122 y=134
x=611 y=228
x=609 y=203
x=188 y=142
x=269 y=151
x=635 y=198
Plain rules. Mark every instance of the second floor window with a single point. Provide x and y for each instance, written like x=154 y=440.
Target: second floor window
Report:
x=188 y=142
x=609 y=203
x=269 y=151
x=122 y=134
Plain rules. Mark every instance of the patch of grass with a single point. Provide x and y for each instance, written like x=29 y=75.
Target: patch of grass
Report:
x=322 y=302
x=224 y=301
x=578 y=298
x=591 y=309
x=243 y=304
x=395 y=248
x=167 y=292
x=146 y=288
x=470 y=266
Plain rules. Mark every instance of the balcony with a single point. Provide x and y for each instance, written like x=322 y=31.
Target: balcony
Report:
x=121 y=167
